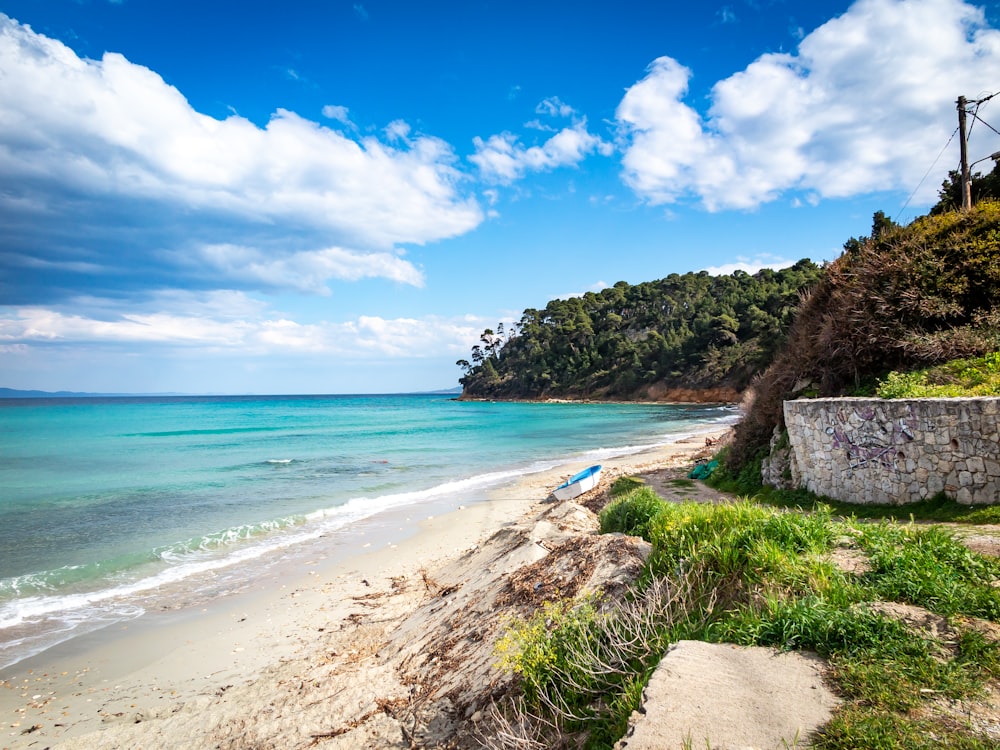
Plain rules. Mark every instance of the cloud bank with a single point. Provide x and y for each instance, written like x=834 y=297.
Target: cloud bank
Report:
x=100 y=170
x=130 y=220
x=255 y=331
x=862 y=106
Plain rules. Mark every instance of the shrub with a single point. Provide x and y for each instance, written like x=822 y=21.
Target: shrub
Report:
x=632 y=513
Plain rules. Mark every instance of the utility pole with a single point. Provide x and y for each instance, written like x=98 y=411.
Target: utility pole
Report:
x=964 y=149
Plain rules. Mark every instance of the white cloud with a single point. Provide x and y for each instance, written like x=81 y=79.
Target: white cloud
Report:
x=554 y=107
x=866 y=104
x=750 y=265
x=338 y=113
x=502 y=158
x=108 y=134
x=30 y=325
x=307 y=271
x=597 y=286
x=259 y=333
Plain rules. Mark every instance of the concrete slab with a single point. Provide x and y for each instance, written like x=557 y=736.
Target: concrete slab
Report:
x=725 y=697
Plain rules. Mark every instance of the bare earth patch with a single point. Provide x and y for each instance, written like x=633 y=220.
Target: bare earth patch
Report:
x=984 y=539
x=850 y=560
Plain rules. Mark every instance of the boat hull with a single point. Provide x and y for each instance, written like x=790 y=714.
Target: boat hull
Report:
x=578 y=484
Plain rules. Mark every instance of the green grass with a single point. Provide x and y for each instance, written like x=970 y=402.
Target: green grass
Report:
x=682 y=484
x=979 y=376
x=926 y=566
x=755 y=574
x=632 y=512
x=624 y=485
x=939 y=508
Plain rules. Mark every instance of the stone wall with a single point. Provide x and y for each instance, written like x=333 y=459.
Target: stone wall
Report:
x=863 y=450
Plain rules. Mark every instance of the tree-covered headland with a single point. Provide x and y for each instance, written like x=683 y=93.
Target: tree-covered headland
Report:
x=689 y=332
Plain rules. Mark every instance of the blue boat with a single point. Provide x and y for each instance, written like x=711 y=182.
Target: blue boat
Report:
x=577 y=484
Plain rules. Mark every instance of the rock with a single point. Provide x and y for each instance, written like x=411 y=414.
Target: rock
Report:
x=729 y=697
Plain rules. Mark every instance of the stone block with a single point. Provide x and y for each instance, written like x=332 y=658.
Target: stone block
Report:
x=964 y=479
x=975 y=463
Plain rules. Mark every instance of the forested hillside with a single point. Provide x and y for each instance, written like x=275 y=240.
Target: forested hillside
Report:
x=692 y=331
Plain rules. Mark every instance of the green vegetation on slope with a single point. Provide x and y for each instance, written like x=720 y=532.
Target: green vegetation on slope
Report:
x=902 y=299
x=978 y=376
x=690 y=331
x=753 y=575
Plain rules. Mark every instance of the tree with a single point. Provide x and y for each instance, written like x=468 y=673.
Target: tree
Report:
x=982 y=187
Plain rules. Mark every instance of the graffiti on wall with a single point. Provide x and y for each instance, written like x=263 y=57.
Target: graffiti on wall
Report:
x=871 y=439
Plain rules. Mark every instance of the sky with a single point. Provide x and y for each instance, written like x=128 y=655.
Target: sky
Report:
x=340 y=196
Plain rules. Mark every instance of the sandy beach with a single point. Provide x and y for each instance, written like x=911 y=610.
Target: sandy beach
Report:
x=386 y=644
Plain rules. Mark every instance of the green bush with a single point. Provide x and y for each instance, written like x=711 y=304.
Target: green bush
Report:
x=979 y=376
x=632 y=513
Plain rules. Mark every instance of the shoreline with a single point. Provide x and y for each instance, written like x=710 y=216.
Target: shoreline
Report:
x=132 y=678
x=734 y=399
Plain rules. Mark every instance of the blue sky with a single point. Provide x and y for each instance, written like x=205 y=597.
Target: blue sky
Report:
x=334 y=197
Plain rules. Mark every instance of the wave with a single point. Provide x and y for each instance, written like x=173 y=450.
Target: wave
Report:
x=212 y=431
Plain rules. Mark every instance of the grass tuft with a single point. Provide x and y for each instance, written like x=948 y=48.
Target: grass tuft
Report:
x=632 y=513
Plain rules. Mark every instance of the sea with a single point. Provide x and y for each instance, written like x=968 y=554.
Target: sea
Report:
x=111 y=507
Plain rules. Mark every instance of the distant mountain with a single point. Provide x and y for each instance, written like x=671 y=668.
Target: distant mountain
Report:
x=15 y=393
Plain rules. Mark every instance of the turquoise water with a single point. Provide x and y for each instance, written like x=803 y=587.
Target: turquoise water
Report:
x=108 y=506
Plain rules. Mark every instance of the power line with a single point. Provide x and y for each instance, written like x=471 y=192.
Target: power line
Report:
x=929 y=170
x=977 y=118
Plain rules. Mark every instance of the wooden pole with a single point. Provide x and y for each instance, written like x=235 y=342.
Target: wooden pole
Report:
x=964 y=149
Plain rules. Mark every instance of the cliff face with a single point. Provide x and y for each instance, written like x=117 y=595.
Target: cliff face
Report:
x=718 y=395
